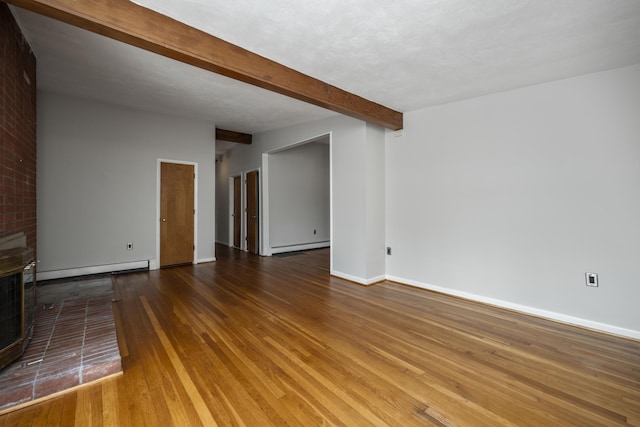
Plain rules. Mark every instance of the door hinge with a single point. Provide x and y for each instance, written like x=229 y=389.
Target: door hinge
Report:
x=194 y=211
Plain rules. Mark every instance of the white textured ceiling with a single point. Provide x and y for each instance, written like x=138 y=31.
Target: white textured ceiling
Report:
x=404 y=54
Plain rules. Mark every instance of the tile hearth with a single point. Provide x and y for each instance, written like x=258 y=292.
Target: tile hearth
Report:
x=74 y=342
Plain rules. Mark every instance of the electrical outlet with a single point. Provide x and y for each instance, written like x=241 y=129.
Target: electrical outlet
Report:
x=591 y=279
x=388 y=250
x=130 y=246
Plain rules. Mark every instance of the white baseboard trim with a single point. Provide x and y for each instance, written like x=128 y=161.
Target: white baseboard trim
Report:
x=96 y=269
x=358 y=280
x=376 y=279
x=204 y=260
x=550 y=315
x=302 y=247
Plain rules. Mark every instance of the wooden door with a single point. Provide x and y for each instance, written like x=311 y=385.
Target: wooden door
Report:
x=237 y=210
x=176 y=214
x=252 y=212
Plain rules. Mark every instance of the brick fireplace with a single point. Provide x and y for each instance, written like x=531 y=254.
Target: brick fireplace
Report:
x=17 y=131
x=17 y=182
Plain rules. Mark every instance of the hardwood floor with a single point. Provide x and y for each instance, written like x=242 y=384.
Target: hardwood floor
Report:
x=251 y=341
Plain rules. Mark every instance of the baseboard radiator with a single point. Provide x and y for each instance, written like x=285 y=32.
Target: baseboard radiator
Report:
x=125 y=267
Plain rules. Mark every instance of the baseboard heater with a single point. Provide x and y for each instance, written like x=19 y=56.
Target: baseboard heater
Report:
x=125 y=267
x=300 y=247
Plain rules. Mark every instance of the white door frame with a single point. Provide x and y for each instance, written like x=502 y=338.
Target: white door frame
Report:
x=265 y=242
x=231 y=201
x=155 y=265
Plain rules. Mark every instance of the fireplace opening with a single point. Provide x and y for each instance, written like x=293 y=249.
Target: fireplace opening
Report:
x=10 y=307
x=17 y=302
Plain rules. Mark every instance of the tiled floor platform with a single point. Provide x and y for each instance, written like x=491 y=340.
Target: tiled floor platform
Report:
x=74 y=342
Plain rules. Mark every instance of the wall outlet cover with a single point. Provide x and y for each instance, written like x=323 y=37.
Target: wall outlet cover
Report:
x=591 y=279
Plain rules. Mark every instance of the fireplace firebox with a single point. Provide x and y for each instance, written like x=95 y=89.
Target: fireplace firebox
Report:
x=17 y=302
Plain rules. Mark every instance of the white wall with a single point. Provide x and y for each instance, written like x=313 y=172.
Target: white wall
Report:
x=97 y=167
x=299 y=196
x=511 y=198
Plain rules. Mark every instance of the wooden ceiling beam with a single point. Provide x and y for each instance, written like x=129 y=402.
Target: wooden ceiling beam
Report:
x=233 y=136
x=135 y=25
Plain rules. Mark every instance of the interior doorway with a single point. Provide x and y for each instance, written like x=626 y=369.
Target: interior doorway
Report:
x=252 y=216
x=296 y=197
x=236 y=214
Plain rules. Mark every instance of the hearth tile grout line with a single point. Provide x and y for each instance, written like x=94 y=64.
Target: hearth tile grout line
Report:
x=84 y=337
x=44 y=353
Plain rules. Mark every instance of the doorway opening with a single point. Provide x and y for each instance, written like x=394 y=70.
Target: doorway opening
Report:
x=252 y=217
x=235 y=211
x=297 y=196
x=245 y=211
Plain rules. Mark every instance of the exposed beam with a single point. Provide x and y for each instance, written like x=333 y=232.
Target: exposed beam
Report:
x=127 y=22
x=233 y=136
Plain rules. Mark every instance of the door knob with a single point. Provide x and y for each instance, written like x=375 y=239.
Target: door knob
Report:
x=164 y=219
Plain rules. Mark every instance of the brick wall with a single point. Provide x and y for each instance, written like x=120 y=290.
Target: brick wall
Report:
x=17 y=131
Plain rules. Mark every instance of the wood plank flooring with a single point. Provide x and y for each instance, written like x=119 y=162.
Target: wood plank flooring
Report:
x=251 y=341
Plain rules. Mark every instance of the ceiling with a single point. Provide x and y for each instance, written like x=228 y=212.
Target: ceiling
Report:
x=405 y=54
